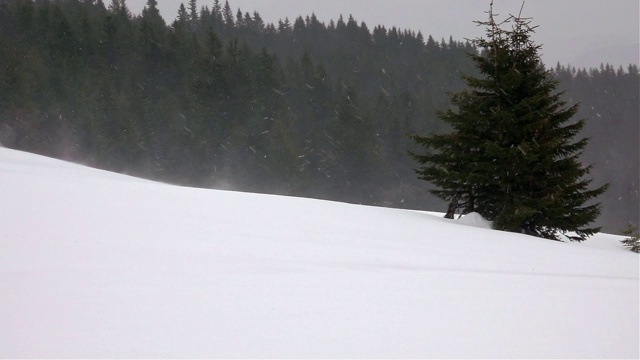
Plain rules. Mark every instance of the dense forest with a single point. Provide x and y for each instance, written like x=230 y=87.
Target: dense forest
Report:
x=219 y=98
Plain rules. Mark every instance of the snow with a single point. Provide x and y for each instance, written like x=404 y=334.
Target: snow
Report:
x=475 y=219
x=95 y=264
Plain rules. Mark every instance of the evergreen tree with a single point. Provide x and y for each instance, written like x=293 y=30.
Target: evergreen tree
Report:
x=356 y=145
x=632 y=241
x=511 y=155
x=227 y=15
x=193 y=16
x=153 y=32
x=183 y=16
x=284 y=27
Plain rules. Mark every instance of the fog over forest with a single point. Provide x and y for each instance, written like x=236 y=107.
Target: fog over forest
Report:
x=220 y=98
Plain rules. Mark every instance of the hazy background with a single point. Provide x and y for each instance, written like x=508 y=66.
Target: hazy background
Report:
x=583 y=33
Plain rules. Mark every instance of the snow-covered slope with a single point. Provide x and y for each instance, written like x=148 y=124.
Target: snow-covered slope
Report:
x=96 y=264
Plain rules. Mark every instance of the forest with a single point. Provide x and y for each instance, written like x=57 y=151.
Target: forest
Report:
x=220 y=99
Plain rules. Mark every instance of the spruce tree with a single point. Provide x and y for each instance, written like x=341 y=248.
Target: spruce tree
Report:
x=632 y=241
x=193 y=15
x=511 y=155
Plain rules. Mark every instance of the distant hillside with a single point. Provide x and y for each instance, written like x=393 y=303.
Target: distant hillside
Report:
x=223 y=99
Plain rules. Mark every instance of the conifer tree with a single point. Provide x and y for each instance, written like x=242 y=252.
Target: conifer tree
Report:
x=632 y=241
x=152 y=31
x=193 y=15
x=227 y=15
x=511 y=155
x=183 y=16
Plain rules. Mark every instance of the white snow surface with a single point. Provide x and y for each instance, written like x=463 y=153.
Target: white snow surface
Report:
x=475 y=219
x=97 y=264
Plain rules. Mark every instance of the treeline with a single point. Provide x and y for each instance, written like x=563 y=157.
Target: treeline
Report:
x=610 y=102
x=219 y=98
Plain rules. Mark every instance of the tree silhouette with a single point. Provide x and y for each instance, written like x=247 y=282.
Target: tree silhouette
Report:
x=511 y=155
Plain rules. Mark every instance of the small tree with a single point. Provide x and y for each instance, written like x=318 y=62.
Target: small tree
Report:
x=511 y=155
x=632 y=242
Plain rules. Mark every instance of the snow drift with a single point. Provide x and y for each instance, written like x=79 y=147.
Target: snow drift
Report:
x=96 y=264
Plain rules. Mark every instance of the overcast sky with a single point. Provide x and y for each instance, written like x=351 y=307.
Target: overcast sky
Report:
x=583 y=33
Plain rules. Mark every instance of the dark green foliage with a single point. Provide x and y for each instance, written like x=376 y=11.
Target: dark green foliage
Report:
x=632 y=242
x=511 y=155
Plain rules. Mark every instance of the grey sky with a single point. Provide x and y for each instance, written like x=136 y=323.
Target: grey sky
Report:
x=583 y=33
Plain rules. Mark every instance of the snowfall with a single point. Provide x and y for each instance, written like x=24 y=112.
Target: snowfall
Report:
x=97 y=264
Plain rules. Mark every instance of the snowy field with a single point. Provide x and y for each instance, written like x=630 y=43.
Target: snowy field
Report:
x=96 y=264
